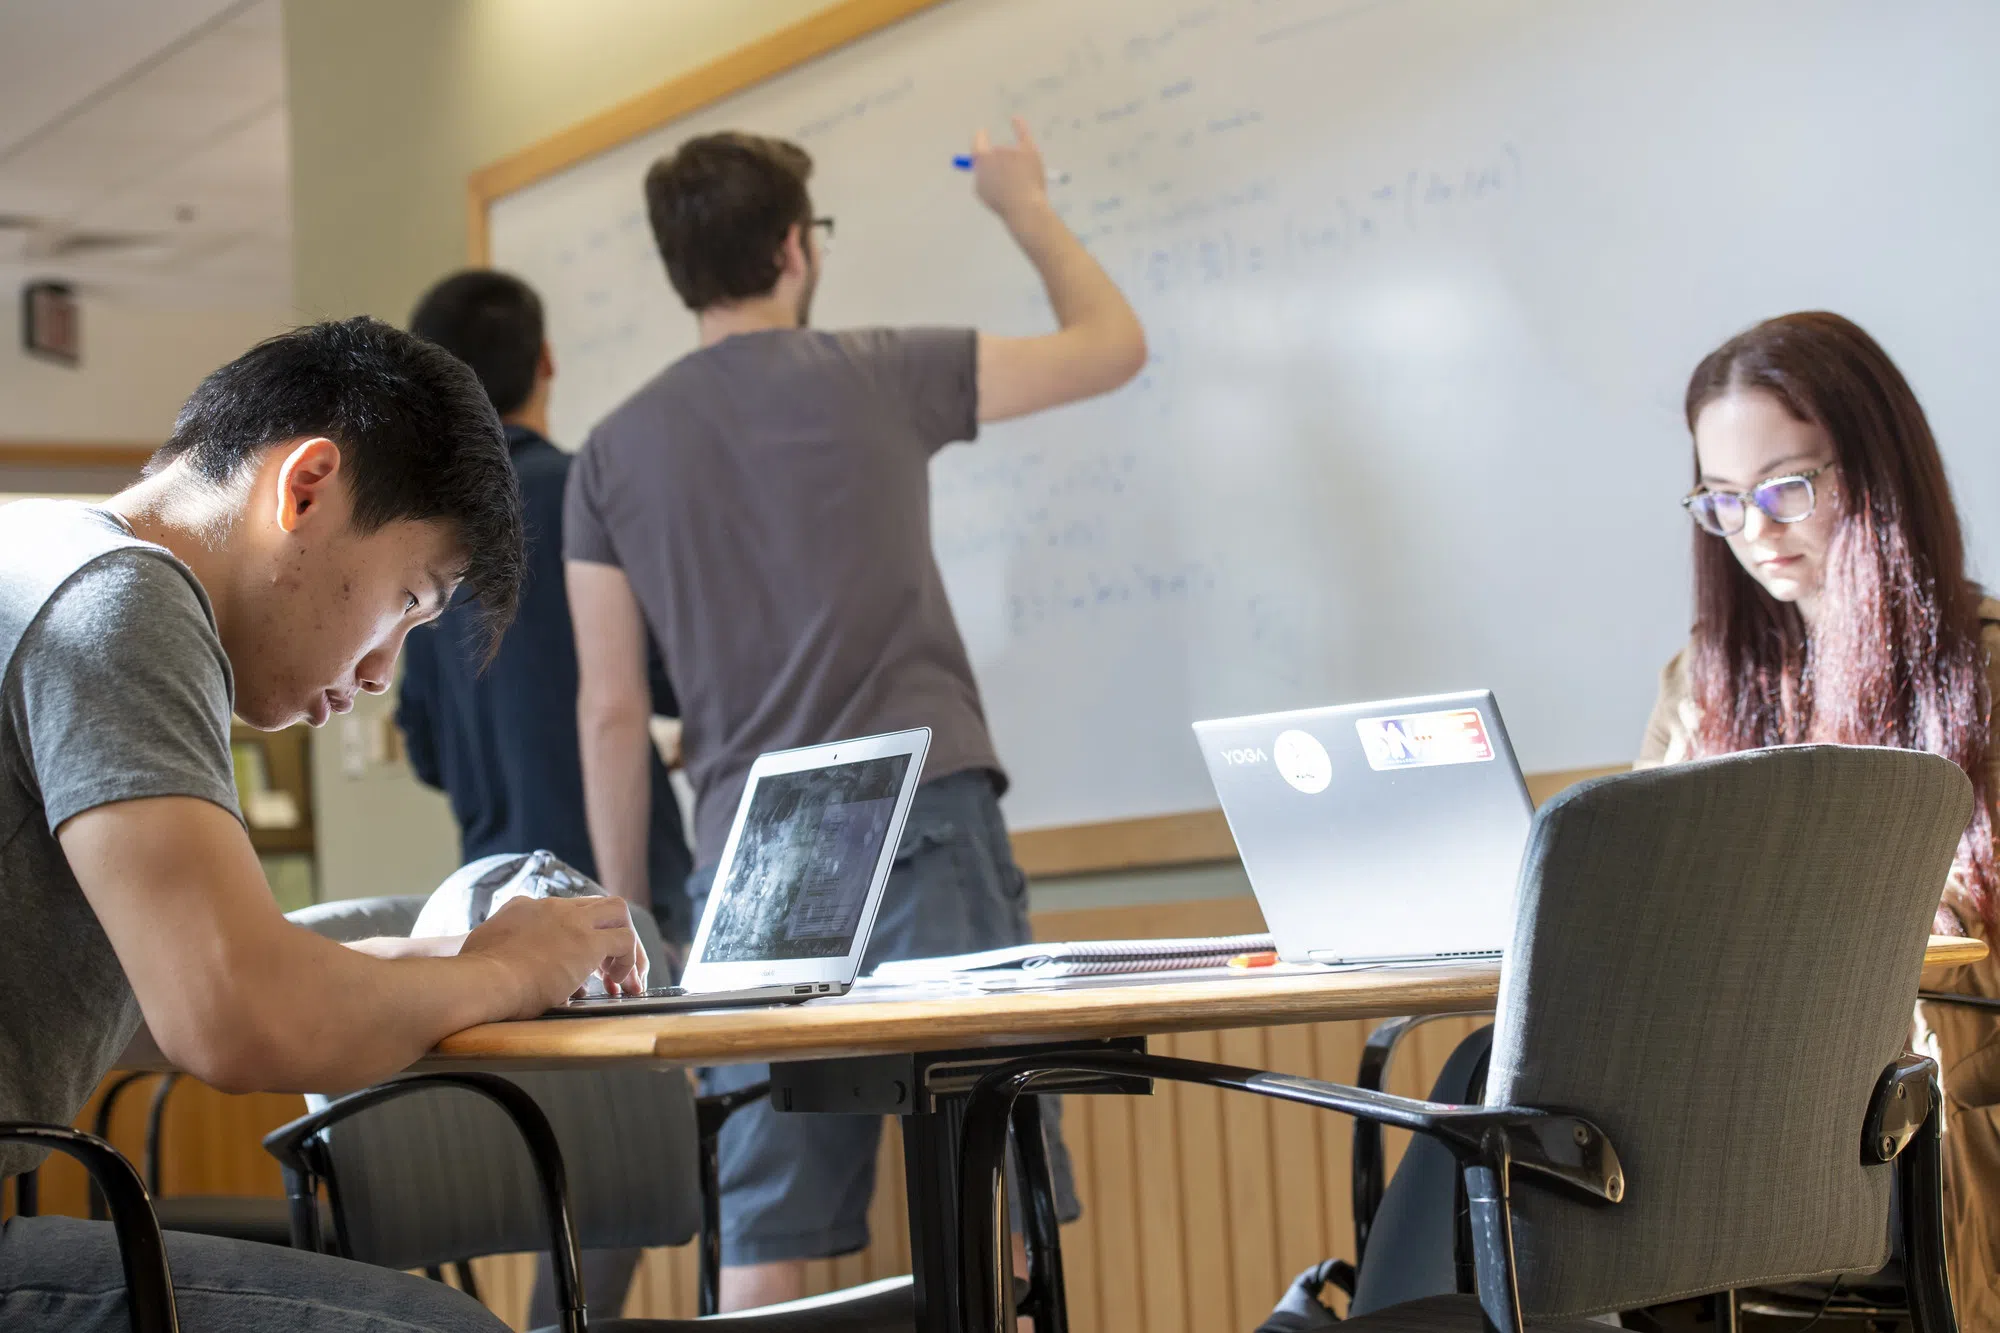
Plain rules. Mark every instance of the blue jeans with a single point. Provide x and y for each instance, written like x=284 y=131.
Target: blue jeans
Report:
x=61 y=1275
x=798 y=1186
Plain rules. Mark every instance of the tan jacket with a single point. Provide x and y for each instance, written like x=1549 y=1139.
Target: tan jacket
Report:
x=1965 y=1042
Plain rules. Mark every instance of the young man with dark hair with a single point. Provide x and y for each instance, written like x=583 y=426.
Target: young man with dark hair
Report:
x=763 y=506
x=322 y=495
x=499 y=736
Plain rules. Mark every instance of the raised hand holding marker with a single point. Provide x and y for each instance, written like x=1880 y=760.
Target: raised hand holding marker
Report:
x=1006 y=174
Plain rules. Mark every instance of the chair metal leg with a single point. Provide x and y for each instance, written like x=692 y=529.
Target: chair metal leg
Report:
x=1920 y=1167
x=1727 y=1317
x=710 y=1114
x=100 y=1127
x=28 y=1194
x=1492 y=1228
x=156 y=1115
x=1046 y=1301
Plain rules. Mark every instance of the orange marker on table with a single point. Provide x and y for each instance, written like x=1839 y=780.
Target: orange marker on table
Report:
x=1243 y=962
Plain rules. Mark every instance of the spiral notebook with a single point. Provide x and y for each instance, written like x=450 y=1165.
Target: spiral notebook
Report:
x=1083 y=958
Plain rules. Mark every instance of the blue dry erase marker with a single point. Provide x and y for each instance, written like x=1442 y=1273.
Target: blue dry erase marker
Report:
x=964 y=163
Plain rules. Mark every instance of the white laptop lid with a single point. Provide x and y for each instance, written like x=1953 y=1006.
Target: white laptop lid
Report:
x=802 y=874
x=1376 y=831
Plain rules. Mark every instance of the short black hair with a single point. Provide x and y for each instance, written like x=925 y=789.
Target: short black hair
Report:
x=492 y=321
x=721 y=206
x=418 y=439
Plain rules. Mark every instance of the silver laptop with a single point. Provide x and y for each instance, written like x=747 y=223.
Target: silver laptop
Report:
x=1377 y=832
x=800 y=879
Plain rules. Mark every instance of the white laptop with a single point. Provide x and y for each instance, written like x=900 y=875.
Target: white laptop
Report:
x=800 y=879
x=1377 y=832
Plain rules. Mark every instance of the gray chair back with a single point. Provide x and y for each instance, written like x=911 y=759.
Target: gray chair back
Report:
x=1715 y=962
x=441 y=1175
x=351 y=919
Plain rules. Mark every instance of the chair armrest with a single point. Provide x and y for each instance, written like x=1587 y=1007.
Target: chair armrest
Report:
x=710 y=1114
x=1550 y=1147
x=298 y=1148
x=142 y=1250
x=1986 y=1002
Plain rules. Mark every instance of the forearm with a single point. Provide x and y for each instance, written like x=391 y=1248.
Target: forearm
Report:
x=618 y=792
x=390 y=947
x=340 y=1018
x=1080 y=292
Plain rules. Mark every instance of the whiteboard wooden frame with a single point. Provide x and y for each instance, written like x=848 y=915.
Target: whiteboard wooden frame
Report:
x=1199 y=837
x=785 y=49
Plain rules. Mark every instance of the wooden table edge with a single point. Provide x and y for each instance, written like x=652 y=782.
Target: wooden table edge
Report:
x=859 y=1027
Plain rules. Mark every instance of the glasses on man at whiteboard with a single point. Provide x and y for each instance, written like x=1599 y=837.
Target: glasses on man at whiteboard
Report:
x=824 y=226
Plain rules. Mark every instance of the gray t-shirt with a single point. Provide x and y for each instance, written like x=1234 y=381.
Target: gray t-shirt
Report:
x=113 y=686
x=769 y=499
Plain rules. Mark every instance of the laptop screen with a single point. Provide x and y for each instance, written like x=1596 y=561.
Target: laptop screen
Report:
x=807 y=854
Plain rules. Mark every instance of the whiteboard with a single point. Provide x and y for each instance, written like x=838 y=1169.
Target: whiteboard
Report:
x=1423 y=282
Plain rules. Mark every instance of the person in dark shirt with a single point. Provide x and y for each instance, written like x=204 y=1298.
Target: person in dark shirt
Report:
x=499 y=737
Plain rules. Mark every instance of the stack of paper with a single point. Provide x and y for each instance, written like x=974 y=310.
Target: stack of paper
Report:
x=1085 y=958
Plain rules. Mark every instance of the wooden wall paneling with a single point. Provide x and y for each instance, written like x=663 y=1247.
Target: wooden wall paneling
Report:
x=1336 y=1057
x=895 y=1233
x=1298 y=1170
x=1163 y=1220
x=1252 y=1218
x=667 y=1285
x=1081 y=1265
x=1210 y=1242
x=505 y=1284
x=1115 y=1173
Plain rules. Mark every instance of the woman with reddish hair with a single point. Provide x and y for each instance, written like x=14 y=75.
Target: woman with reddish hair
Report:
x=1832 y=604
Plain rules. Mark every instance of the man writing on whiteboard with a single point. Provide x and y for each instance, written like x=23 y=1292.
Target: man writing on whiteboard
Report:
x=763 y=507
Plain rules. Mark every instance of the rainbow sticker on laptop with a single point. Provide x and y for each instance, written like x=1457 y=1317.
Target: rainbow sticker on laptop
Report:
x=1422 y=740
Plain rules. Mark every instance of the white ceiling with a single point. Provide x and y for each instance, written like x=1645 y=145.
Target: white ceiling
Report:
x=144 y=150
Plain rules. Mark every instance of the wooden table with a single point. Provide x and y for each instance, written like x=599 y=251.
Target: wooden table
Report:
x=887 y=1053
x=877 y=1023
x=882 y=1023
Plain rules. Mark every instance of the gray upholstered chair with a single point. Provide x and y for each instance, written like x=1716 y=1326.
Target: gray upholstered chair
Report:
x=1698 y=1079
x=437 y=1170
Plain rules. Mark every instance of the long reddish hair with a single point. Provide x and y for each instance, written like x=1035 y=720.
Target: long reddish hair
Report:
x=1896 y=658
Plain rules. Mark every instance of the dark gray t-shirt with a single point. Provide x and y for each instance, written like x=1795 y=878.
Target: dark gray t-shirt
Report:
x=769 y=499
x=113 y=686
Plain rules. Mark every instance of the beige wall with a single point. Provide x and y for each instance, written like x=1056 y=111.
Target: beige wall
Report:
x=138 y=365
x=394 y=103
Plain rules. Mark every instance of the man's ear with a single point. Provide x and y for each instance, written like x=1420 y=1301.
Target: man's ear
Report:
x=792 y=254
x=306 y=472
x=545 y=367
